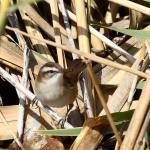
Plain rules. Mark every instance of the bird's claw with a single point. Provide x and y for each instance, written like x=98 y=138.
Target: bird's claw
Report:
x=62 y=121
x=35 y=101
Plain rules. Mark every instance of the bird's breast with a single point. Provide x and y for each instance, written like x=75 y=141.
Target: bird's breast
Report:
x=55 y=95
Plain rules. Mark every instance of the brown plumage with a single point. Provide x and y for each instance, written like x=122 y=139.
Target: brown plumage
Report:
x=57 y=87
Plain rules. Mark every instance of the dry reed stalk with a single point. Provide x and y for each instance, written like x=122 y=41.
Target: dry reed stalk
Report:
x=11 y=132
x=132 y=46
x=146 y=121
x=69 y=33
x=96 y=43
x=6 y=68
x=92 y=134
x=86 y=55
x=127 y=106
x=147 y=44
x=99 y=92
x=103 y=38
x=22 y=44
x=111 y=12
x=83 y=38
x=120 y=74
x=33 y=29
x=14 y=75
x=74 y=30
x=49 y=30
x=10 y=52
x=83 y=35
x=17 y=68
x=56 y=25
x=120 y=133
x=22 y=101
x=132 y=5
x=132 y=91
x=122 y=92
x=11 y=115
x=12 y=17
x=143 y=145
x=138 y=118
x=142 y=131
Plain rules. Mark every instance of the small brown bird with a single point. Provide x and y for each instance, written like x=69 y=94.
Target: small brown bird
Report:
x=57 y=87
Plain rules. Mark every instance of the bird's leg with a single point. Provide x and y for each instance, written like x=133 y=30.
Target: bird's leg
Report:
x=63 y=119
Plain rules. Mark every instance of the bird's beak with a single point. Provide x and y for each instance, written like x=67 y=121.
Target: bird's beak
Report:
x=64 y=71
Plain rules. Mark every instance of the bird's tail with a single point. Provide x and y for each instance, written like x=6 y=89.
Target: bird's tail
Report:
x=74 y=69
x=78 y=65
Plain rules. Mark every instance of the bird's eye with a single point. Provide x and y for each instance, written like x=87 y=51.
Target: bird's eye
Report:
x=52 y=71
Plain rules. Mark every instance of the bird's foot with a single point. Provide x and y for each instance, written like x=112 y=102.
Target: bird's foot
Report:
x=62 y=121
x=34 y=102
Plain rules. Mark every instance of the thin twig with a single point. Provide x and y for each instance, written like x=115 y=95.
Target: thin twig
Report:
x=66 y=22
x=120 y=133
x=89 y=18
x=86 y=55
x=99 y=92
x=10 y=130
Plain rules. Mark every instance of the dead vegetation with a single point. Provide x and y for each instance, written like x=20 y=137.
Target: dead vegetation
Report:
x=109 y=90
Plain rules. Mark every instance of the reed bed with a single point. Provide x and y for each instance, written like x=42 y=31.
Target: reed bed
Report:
x=111 y=110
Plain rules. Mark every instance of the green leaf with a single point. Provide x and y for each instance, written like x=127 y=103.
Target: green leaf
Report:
x=40 y=56
x=3 y=6
x=61 y=132
x=118 y=125
x=106 y=86
x=140 y=85
x=147 y=1
x=136 y=33
x=75 y=131
x=147 y=139
x=119 y=116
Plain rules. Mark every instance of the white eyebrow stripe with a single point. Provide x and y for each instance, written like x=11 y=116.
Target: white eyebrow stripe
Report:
x=45 y=69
